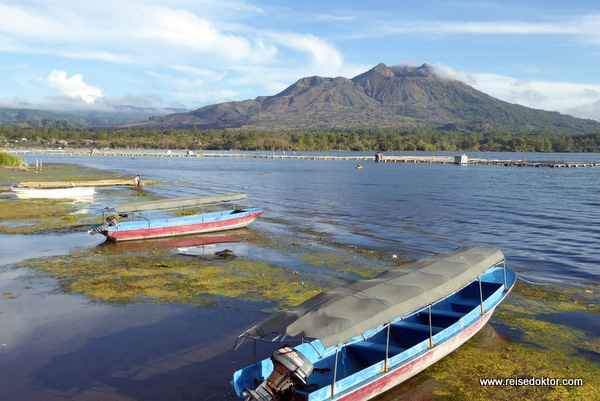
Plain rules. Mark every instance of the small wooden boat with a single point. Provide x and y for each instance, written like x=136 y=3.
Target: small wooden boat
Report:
x=362 y=339
x=132 y=221
x=53 y=193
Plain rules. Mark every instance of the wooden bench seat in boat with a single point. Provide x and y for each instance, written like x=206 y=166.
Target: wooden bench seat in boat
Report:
x=466 y=302
x=377 y=347
x=417 y=327
x=447 y=313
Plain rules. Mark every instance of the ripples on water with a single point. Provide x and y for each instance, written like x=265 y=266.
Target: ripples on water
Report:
x=543 y=219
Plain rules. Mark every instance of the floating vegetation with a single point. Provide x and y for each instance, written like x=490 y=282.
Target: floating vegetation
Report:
x=189 y=212
x=351 y=264
x=543 y=347
x=57 y=172
x=118 y=276
x=28 y=216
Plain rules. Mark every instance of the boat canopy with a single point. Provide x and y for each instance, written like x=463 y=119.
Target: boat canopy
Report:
x=175 y=203
x=343 y=313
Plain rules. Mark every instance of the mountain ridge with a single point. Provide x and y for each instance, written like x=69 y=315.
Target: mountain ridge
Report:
x=382 y=97
x=38 y=117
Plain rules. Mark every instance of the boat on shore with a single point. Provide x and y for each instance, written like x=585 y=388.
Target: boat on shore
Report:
x=362 y=339
x=54 y=193
x=133 y=221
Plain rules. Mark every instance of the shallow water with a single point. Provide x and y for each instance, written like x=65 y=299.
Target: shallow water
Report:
x=56 y=346
x=539 y=217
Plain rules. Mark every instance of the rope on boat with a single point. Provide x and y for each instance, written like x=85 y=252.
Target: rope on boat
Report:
x=531 y=282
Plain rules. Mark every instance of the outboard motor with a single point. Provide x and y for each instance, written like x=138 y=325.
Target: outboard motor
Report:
x=110 y=221
x=290 y=371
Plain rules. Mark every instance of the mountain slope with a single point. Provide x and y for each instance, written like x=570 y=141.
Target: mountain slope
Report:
x=27 y=118
x=383 y=97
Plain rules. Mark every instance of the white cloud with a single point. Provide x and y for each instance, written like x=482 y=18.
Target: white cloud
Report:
x=182 y=29
x=324 y=55
x=73 y=87
x=209 y=75
x=580 y=100
x=199 y=98
x=445 y=72
x=132 y=31
x=585 y=25
x=208 y=40
x=590 y=110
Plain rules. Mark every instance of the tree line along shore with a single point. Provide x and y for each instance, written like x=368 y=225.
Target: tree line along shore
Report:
x=449 y=137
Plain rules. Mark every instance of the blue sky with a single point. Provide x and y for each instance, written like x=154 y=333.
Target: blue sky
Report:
x=95 y=55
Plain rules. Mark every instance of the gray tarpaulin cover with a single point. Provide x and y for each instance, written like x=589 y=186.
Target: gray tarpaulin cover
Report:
x=340 y=314
x=176 y=203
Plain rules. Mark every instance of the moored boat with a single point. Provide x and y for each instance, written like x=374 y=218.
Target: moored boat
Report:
x=132 y=221
x=362 y=339
x=53 y=193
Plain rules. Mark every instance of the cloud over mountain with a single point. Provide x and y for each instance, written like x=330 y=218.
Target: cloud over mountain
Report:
x=74 y=86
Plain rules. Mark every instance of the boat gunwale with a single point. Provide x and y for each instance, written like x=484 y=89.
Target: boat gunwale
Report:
x=167 y=222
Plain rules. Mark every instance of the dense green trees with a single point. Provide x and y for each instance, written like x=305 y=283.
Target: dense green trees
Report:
x=449 y=137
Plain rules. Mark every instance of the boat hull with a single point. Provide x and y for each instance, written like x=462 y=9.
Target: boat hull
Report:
x=54 y=193
x=243 y=220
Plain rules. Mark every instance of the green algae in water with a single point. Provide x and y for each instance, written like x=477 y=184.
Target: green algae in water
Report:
x=28 y=216
x=58 y=172
x=345 y=263
x=118 y=276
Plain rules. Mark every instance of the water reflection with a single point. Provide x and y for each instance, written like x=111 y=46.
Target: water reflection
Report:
x=233 y=236
x=217 y=250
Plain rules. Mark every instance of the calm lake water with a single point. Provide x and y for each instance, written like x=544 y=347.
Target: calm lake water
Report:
x=57 y=346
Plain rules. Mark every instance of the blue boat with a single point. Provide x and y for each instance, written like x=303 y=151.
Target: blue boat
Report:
x=362 y=339
x=139 y=225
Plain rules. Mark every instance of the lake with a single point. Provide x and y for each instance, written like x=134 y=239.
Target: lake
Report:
x=56 y=346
